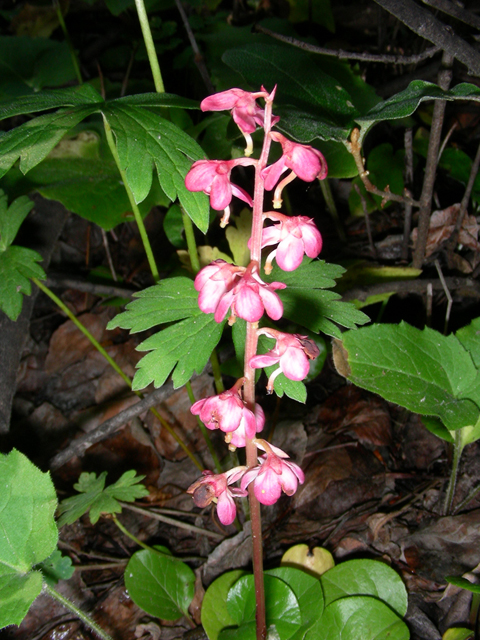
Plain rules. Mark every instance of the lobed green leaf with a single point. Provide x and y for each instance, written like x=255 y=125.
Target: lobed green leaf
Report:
x=17 y=266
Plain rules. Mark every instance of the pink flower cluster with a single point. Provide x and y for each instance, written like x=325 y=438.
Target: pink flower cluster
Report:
x=225 y=288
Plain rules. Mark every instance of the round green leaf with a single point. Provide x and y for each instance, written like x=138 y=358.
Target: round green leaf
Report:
x=161 y=585
x=366 y=578
x=17 y=593
x=458 y=633
x=281 y=604
x=215 y=615
x=358 y=617
x=463 y=583
x=307 y=590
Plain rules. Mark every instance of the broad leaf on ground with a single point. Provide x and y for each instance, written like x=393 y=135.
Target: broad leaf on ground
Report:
x=94 y=497
x=423 y=371
x=215 y=616
x=29 y=533
x=161 y=585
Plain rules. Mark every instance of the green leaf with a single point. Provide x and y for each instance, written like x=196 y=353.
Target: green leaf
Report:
x=238 y=234
x=29 y=533
x=403 y=104
x=215 y=616
x=458 y=633
x=97 y=499
x=157 y=101
x=281 y=604
x=56 y=567
x=29 y=64
x=11 y=218
x=170 y=300
x=435 y=426
x=161 y=585
x=185 y=347
x=316 y=308
x=17 y=266
x=71 y=97
x=463 y=583
x=365 y=578
x=33 y=140
x=423 y=371
x=308 y=592
x=469 y=336
x=145 y=140
x=173 y=227
x=359 y=617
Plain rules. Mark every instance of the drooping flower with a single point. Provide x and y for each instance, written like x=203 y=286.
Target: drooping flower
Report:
x=227 y=412
x=304 y=161
x=238 y=437
x=292 y=352
x=243 y=106
x=296 y=236
x=273 y=475
x=215 y=488
x=213 y=281
x=213 y=178
x=250 y=298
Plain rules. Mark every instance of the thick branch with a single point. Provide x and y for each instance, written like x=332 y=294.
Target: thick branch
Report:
x=424 y=24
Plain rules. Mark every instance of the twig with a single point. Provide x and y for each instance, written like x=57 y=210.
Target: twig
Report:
x=455 y=10
x=198 y=59
x=424 y=24
x=65 y=282
x=109 y=256
x=452 y=241
x=468 y=287
x=350 y=55
x=408 y=141
x=175 y=523
x=448 y=295
x=107 y=428
x=429 y=305
x=355 y=149
x=446 y=139
x=367 y=220
x=444 y=79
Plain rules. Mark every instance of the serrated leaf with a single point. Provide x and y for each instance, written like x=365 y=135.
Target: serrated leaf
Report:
x=17 y=266
x=315 y=308
x=56 y=567
x=32 y=141
x=94 y=497
x=424 y=371
x=145 y=140
x=157 y=101
x=54 y=99
x=11 y=218
x=170 y=300
x=403 y=104
x=161 y=585
x=185 y=347
x=365 y=578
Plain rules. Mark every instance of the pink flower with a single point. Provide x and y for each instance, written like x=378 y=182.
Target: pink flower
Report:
x=244 y=108
x=227 y=412
x=238 y=437
x=273 y=475
x=249 y=298
x=305 y=162
x=213 y=281
x=296 y=236
x=213 y=178
x=292 y=352
x=215 y=488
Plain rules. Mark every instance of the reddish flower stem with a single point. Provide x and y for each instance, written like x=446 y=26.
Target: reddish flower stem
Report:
x=249 y=386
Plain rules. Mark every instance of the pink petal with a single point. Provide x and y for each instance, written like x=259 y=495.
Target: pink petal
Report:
x=200 y=176
x=249 y=476
x=248 y=304
x=311 y=239
x=267 y=487
x=223 y=306
x=197 y=407
x=290 y=253
x=265 y=360
x=222 y=101
x=242 y=194
x=226 y=508
x=260 y=417
x=271 y=235
x=272 y=173
x=273 y=304
x=210 y=296
x=220 y=192
x=294 y=364
x=289 y=481
x=250 y=424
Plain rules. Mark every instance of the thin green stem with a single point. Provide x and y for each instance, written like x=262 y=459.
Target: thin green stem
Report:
x=452 y=483
x=133 y=204
x=130 y=535
x=217 y=373
x=114 y=365
x=73 y=53
x=87 y=620
x=204 y=430
x=150 y=46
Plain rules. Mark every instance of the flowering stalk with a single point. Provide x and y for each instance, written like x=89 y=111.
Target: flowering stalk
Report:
x=228 y=290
